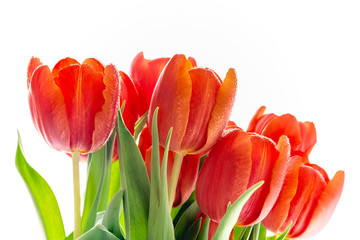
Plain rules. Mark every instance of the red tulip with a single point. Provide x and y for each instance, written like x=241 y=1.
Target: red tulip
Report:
x=75 y=105
x=195 y=102
x=236 y=162
x=145 y=74
x=307 y=199
x=302 y=135
x=188 y=172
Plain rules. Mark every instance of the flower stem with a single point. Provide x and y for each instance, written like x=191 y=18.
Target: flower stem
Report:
x=174 y=178
x=76 y=183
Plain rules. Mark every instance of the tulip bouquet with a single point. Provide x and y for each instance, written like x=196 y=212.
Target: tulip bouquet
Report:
x=165 y=162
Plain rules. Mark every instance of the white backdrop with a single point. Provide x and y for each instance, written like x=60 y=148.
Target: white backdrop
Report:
x=300 y=57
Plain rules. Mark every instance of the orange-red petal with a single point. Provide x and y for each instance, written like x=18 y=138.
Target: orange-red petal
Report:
x=33 y=64
x=48 y=109
x=172 y=95
x=221 y=112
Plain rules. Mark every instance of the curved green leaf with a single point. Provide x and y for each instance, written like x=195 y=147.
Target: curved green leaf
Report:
x=98 y=232
x=232 y=214
x=114 y=184
x=135 y=182
x=42 y=196
x=186 y=219
x=193 y=231
x=204 y=233
x=112 y=215
x=94 y=187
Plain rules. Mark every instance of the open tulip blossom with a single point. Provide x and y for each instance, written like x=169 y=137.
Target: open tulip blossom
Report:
x=165 y=162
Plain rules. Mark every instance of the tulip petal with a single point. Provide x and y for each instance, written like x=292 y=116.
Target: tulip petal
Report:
x=278 y=214
x=48 y=109
x=201 y=105
x=311 y=184
x=308 y=136
x=325 y=206
x=33 y=64
x=62 y=64
x=145 y=74
x=283 y=125
x=187 y=179
x=268 y=165
x=107 y=115
x=221 y=111
x=224 y=175
x=172 y=95
x=96 y=65
x=145 y=141
x=129 y=94
x=253 y=122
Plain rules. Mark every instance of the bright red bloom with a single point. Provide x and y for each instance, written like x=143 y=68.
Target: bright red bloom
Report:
x=195 y=102
x=307 y=199
x=75 y=105
x=145 y=74
x=302 y=135
x=236 y=162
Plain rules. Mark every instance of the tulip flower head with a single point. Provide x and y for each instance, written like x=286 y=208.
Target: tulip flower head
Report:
x=236 y=162
x=195 y=102
x=307 y=200
x=302 y=135
x=74 y=106
x=145 y=74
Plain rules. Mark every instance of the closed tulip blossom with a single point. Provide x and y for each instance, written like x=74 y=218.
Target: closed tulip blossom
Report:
x=308 y=199
x=145 y=74
x=196 y=103
x=236 y=162
x=302 y=135
x=74 y=107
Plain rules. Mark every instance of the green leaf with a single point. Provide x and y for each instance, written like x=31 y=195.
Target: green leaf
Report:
x=42 y=196
x=262 y=232
x=186 y=219
x=232 y=214
x=160 y=225
x=245 y=235
x=114 y=184
x=255 y=232
x=185 y=206
x=98 y=232
x=135 y=182
x=112 y=215
x=204 y=233
x=70 y=237
x=94 y=187
x=193 y=231
x=139 y=125
x=108 y=158
x=237 y=232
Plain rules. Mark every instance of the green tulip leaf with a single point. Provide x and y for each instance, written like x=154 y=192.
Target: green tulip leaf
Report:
x=186 y=219
x=96 y=175
x=193 y=231
x=98 y=232
x=114 y=184
x=237 y=232
x=227 y=223
x=139 y=125
x=262 y=232
x=255 y=232
x=70 y=237
x=204 y=232
x=183 y=207
x=112 y=215
x=245 y=235
x=160 y=225
x=42 y=196
x=135 y=182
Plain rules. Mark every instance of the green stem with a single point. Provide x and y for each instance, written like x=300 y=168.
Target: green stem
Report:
x=76 y=182
x=174 y=178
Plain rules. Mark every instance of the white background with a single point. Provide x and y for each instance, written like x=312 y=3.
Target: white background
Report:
x=300 y=57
